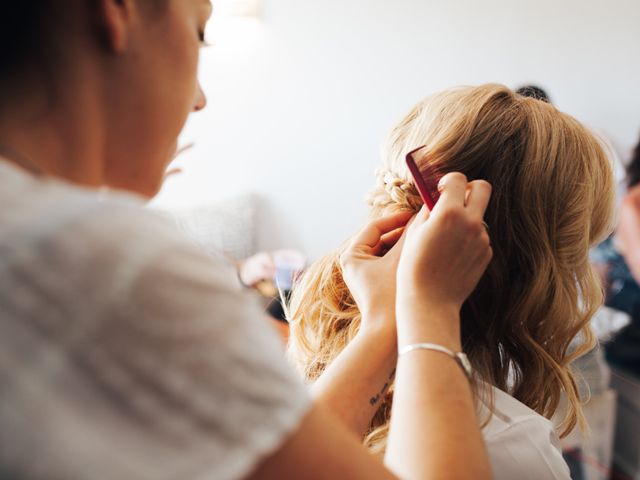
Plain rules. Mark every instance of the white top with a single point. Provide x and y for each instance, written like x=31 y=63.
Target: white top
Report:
x=125 y=353
x=522 y=444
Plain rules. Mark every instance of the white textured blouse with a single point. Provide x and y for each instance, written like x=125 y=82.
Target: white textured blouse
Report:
x=522 y=444
x=125 y=353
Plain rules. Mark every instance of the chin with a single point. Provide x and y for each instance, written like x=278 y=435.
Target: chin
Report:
x=150 y=191
x=147 y=188
x=140 y=178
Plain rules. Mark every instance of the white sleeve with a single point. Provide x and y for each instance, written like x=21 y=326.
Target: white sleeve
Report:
x=527 y=450
x=125 y=352
x=195 y=362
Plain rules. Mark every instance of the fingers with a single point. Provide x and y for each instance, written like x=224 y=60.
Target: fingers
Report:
x=452 y=188
x=396 y=250
x=388 y=241
x=417 y=220
x=372 y=233
x=456 y=192
x=478 y=196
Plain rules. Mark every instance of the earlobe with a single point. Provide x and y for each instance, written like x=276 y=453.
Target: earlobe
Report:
x=115 y=17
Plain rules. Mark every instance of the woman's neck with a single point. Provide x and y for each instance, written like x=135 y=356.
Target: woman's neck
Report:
x=57 y=136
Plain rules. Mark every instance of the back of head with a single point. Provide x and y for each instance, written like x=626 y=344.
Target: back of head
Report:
x=25 y=27
x=36 y=36
x=533 y=91
x=552 y=199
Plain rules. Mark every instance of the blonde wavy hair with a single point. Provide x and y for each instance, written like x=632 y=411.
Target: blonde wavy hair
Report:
x=553 y=197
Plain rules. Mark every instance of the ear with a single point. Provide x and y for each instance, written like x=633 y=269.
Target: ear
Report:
x=115 y=17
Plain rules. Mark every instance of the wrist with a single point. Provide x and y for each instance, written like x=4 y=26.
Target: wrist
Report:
x=378 y=322
x=453 y=343
x=379 y=334
x=429 y=323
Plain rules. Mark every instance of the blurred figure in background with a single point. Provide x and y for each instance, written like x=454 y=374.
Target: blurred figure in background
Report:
x=623 y=274
x=533 y=91
x=272 y=274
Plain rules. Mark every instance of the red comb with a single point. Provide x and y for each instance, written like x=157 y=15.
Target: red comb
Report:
x=426 y=181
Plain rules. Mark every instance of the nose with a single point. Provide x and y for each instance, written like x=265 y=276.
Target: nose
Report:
x=200 y=100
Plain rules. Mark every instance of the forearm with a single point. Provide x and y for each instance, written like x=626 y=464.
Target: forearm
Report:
x=353 y=385
x=433 y=410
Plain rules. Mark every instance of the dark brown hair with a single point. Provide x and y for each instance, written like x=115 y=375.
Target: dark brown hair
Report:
x=633 y=170
x=25 y=33
x=33 y=35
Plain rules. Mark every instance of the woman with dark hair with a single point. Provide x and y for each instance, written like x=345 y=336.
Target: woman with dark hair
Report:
x=533 y=91
x=125 y=352
x=633 y=169
x=623 y=273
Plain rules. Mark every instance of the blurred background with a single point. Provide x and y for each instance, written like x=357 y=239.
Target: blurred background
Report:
x=302 y=93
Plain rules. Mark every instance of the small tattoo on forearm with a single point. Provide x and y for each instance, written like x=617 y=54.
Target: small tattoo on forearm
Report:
x=376 y=398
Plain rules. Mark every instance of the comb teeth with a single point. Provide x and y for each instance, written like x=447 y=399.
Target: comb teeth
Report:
x=426 y=181
x=431 y=179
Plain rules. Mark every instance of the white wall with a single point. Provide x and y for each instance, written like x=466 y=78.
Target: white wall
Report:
x=300 y=99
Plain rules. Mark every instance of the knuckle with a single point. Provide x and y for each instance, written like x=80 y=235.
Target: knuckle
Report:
x=476 y=229
x=483 y=184
x=452 y=177
x=457 y=176
x=486 y=241
x=489 y=253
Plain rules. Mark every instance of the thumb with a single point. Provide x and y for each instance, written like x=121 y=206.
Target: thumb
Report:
x=418 y=219
x=396 y=250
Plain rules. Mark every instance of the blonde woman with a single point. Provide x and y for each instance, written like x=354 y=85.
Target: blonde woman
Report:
x=552 y=199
